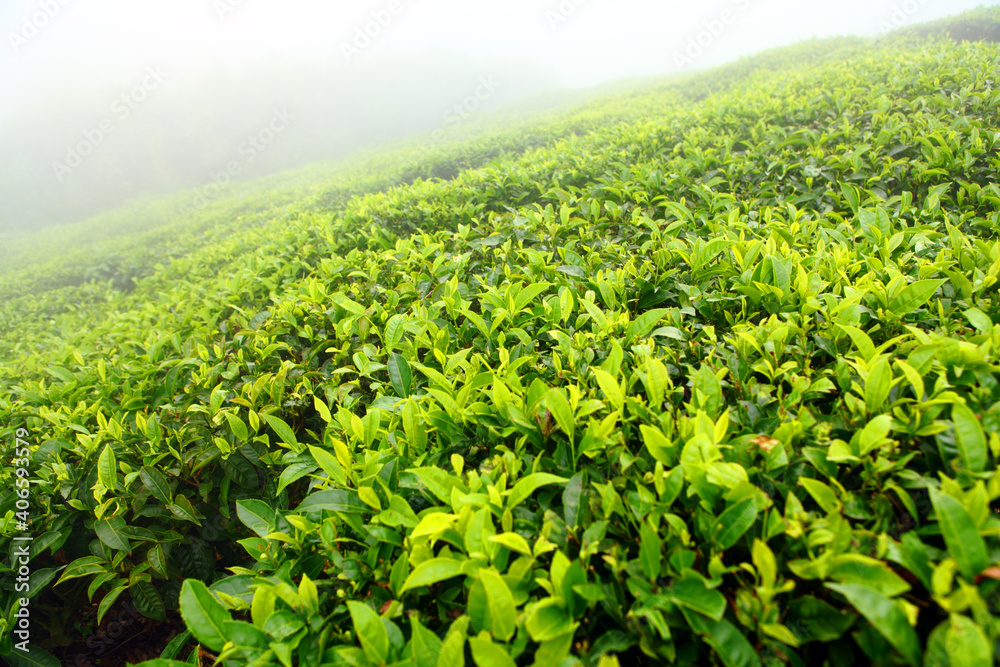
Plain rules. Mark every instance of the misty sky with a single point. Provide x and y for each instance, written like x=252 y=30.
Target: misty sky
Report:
x=581 y=42
x=102 y=101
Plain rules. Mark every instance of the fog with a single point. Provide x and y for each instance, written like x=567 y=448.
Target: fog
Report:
x=107 y=100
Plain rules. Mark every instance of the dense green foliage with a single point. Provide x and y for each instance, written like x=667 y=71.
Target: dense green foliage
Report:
x=702 y=375
x=982 y=24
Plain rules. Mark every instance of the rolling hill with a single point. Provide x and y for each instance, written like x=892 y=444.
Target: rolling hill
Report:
x=703 y=373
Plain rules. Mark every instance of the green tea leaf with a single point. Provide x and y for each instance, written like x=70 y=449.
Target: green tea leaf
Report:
x=563 y=414
x=915 y=295
x=335 y=500
x=961 y=536
x=571 y=270
x=966 y=643
x=529 y=484
x=400 y=375
x=183 y=509
x=658 y=445
x=529 y=294
x=83 y=567
x=109 y=600
x=241 y=471
x=503 y=611
x=322 y=408
x=709 y=390
x=645 y=323
x=612 y=390
x=852 y=568
x=245 y=635
x=283 y=430
x=512 y=541
x=413 y=426
x=980 y=320
x=157 y=559
x=824 y=496
x=691 y=592
x=372 y=634
x=969 y=437
x=424 y=644
x=293 y=473
x=453 y=646
x=256 y=515
x=548 y=620
x=111 y=532
x=157 y=484
x=878 y=383
x=36 y=656
x=726 y=640
x=438 y=482
x=107 y=468
x=329 y=464
x=861 y=341
x=203 y=614
x=237 y=426
x=488 y=654
x=148 y=601
x=817 y=620
x=393 y=331
x=734 y=522
x=649 y=551
x=432 y=571
x=886 y=617
x=174 y=646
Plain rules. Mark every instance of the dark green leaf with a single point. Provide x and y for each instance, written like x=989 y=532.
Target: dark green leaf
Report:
x=692 y=593
x=283 y=430
x=35 y=656
x=110 y=531
x=649 y=551
x=734 y=522
x=729 y=643
x=256 y=515
x=335 y=500
x=886 y=617
x=157 y=484
x=183 y=509
x=400 y=375
x=148 y=601
x=109 y=600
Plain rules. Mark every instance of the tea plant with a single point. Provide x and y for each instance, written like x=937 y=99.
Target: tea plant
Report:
x=706 y=375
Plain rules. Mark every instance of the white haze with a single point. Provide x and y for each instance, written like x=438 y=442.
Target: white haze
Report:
x=228 y=64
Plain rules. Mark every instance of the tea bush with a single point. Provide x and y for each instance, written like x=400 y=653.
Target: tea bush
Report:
x=705 y=375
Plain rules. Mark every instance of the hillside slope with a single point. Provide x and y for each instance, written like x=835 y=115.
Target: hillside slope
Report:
x=701 y=375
